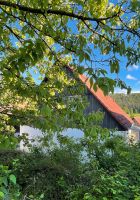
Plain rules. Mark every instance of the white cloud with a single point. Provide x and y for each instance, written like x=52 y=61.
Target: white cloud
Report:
x=135 y=91
x=133 y=67
x=124 y=91
x=131 y=77
x=118 y=90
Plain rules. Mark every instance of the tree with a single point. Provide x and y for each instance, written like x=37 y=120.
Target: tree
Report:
x=50 y=35
x=45 y=37
x=128 y=102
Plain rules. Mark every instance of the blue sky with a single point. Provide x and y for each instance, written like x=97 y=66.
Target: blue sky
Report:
x=132 y=77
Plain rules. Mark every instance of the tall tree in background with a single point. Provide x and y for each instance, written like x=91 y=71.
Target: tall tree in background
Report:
x=49 y=35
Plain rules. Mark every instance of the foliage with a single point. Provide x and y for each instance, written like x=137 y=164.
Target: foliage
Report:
x=9 y=190
x=130 y=103
x=41 y=45
x=87 y=169
x=39 y=39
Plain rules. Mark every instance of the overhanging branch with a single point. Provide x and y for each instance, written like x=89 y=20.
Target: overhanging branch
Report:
x=54 y=12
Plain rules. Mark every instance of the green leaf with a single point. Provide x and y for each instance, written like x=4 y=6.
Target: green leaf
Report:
x=81 y=58
x=12 y=178
x=46 y=110
x=91 y=82
x=87 y=56
x=41 y=196
x=1 y=195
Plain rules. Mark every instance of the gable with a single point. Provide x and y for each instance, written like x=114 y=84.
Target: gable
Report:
x=109 y=105
x=108 y=121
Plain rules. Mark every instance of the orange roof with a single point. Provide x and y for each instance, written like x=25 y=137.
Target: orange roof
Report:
x=137 y=120
x=109 y=104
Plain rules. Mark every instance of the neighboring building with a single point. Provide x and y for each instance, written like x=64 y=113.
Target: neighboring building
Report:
x=135 y=129
x=114 y=116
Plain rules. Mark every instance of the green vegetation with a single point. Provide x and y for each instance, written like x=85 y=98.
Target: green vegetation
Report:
x=8 y=187
x=38 y=40
x=130 y=103
x=85 y=169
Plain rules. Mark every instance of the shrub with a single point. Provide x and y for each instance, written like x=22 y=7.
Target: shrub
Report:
x=80 y=170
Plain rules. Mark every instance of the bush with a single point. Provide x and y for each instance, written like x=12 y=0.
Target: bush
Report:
x=80 y=170
x=9 y=190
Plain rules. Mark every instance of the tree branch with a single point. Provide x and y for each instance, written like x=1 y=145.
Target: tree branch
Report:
x=16 y=35
x=54 y=12
x=133 y=31
x=21 y=7
x=93 y=31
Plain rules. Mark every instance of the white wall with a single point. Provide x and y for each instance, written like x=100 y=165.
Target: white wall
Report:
x=35 y=134
x=76 y=133
x=32 y=134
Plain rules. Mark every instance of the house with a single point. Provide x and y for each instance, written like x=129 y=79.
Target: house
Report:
x=115 y=118
x=135 y=129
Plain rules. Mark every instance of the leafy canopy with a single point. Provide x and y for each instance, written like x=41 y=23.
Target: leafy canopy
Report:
x=45 y=37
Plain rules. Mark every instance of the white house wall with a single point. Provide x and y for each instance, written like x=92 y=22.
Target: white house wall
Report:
x=34 y=134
